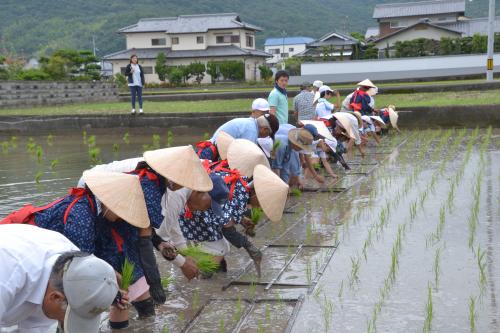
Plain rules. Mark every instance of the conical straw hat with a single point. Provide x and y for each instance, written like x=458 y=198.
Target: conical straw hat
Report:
x=366 y=83
x=393 y=116
x=346 y=123
x=223 y=142
x=271 y=192
x=357 y=114
x=379 y=121
x=321 y=127
x=244 y=155
x=180 y=165
x=121 y=193
x=367 y=119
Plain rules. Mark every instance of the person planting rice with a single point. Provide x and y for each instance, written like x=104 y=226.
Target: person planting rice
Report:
x=207 y=226
x=260 y=107
x=346 y=130
x=44 y=280
x=96 y=220
x=239 y=128
x=159 y=177
x=361 y=99
x=369 y=129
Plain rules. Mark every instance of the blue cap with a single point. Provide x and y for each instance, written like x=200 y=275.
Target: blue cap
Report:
x=312 y=129
x=219 y=193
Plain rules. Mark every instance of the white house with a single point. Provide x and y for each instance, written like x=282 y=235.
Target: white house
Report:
x=190 y=38
x=285 y=47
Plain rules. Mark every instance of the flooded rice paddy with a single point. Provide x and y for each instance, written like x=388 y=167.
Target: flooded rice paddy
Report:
x=407 y=241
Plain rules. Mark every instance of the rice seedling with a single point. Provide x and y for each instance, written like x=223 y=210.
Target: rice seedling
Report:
x=126 y=138
x=205 y=261
x=166 y=281
x=260 y=329
x=341 y=289
x=309 y=271
x=429 y=313
x=206 y=136
x=181 y=316
x=437 y=267
x=309 y=233
x=31 y=145
x=318 y=291
x=195 y=303
x=116 y=147
x=95 y=155
x=84 y=137
x=54 y=164
x=295 y=192
x=327 y=313
x=472 y=314
x=170 y=139
x=413 y=210
x=481 y=264
x=5 y=147
x=91 y=141
x=39 y=154
x=222 y=328
x=394 y=263
x=268 y=313
x=127 y=274
x=354 y=270
x=13 y=142
x=252 y=289
x=155 y=144
x=38 y=176
x=237 y=313
x=165 y=329
x=50 y=140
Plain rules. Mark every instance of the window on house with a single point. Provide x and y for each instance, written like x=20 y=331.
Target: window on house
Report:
x=290 y=49
x=249 y=41
x=284 y=55
x=443 y=19
x=175 y=40
x=158 y=41
x=147 y=69
x=199 y=40
x=274 y=51
x=398 y=24
x=227 y=39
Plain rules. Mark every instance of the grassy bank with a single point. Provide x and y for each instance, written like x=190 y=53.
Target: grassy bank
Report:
x=423 y=99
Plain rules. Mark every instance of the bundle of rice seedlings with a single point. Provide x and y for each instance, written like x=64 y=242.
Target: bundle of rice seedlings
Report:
x=256 y=214
x=205 y=261
x=127 y=274
x=296 y=192
x=166 y=281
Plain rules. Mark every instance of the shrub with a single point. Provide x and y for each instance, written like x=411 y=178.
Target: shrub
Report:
x=213 y=71
x=176 y=76
x=232 y=70
x=33 y=75
x=121 y=80
x=160 y=67
x=265 y=72
x=197 y=69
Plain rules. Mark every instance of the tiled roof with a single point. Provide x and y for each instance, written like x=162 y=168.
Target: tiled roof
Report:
x=189 y=24
x=413 y=25
x=211 y=51
x=335 y=39
x=418 y=8
x=473 y=26
x=288 y=41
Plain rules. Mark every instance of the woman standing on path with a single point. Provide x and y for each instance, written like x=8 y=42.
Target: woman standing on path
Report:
x=135 y=78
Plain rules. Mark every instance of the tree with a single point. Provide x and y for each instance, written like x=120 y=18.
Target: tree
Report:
x=55 y=67
x=265 y=72
x=479 y=44
x=175 y=76
x=197 y=69
x=370 y=52
x=232 y=70
x=358 y=35
x=293 y=65
x=213 y=71
x=161 y=66
x=33 y=74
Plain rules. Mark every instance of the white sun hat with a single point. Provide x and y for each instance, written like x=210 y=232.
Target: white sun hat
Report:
x=317 y=83
x=223 y=142
x=271 y=192
x=366 y=83
x=325 y=88
x=121 y=193
x=321 y=127
x=266 y=144
x=89 y=287
x=180 y=165
x=345 y=122
x=244 y=155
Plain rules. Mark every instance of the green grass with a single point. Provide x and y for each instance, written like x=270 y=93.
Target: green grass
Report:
x=410 y=100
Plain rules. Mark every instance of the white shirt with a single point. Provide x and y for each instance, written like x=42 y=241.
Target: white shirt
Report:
x=27 y=254
x=136 y=76
x=355 y=127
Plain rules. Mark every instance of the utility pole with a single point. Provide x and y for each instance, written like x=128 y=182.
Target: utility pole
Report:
x=283 y=34
x=491 y=41
x=93 y=44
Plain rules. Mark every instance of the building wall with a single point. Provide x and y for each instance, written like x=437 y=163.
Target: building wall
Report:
x=212 y=37
x=189 y=42
x=297 y=48
x=143 y=40
x=252 y=64
x=390 y=25
x=419 y=31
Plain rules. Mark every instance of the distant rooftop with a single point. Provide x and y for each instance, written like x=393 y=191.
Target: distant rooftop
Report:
x=288 y=41
x=432 y=7
x=189 y=24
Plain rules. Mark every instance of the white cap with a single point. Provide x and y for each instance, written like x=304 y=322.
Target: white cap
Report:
x=266 y=144
x=317 y=83
x=332 y=144
x=90 y=287
x=325 y=88
x=367 y=119
x=260 y=104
